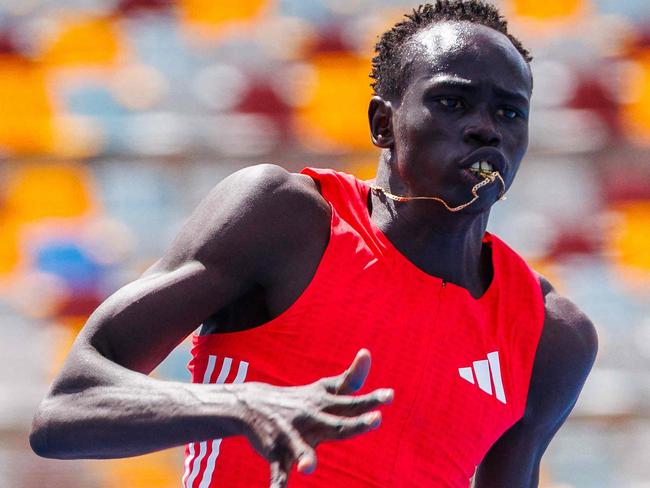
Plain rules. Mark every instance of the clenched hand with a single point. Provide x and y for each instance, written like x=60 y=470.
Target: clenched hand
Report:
x=285 y=424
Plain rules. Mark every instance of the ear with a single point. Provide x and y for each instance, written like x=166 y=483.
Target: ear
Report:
x=380 y=116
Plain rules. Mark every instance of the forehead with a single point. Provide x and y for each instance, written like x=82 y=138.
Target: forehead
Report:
x=469 y=51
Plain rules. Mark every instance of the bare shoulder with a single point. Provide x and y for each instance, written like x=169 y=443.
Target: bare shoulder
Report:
x=567 y=327
x=262 y=190
x=565 y=355
x=267 y=182
x=259 y=209
x=268 y=191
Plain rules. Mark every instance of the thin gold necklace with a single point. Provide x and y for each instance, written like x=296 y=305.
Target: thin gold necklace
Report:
x=488 y=177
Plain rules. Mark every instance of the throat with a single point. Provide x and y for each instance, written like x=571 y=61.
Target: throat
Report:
x=474 y=275
x=454 y=253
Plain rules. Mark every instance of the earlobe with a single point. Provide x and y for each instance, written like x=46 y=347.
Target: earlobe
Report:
x=380 y=116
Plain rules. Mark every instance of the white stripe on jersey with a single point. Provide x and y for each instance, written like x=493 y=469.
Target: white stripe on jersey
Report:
x=191 y=473
x=214 y=447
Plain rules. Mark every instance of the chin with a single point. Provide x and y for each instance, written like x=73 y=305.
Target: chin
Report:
x=460 y=196
x=477 y=208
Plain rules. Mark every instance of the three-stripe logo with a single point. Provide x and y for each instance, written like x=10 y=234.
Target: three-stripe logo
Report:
x=194 y=476
x=487 y=372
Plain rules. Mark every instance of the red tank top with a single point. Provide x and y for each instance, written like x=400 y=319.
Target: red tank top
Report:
x=460 y=366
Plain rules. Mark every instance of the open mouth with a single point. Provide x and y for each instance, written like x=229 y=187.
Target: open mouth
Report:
x=483 y=172
x=481 y=168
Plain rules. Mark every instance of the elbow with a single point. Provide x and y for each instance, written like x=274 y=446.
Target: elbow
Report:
x=38 y=438
x=42 y=436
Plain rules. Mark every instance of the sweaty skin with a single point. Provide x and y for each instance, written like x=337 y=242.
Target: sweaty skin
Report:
x=467 y=90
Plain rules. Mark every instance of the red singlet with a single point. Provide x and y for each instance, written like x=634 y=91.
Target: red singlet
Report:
x=460 y=366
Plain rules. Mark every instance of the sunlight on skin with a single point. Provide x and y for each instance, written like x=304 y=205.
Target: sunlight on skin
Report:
x=446 y=37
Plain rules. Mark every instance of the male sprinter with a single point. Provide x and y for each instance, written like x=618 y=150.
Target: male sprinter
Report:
x=291 y=274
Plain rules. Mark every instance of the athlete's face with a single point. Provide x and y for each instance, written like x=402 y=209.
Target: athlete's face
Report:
x=466 y=100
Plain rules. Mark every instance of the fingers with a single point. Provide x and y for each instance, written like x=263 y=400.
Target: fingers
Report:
x=351 y=379
x=356 y=405
x=344 y=427
x=355 y=376
x=309 y=416
x=330 y=427
x=285 y=454
x=280 y=468
x=306 y=457
x=279 y=475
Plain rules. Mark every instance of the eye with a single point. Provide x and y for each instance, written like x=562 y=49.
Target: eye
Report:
x=451 y=102
x=509 y=113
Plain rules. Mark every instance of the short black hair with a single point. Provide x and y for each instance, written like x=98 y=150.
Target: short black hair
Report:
x=387 y=70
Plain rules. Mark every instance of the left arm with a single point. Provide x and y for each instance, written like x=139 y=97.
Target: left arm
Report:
x=565 y=355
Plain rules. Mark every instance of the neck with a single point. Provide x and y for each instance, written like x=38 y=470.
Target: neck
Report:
x=444 y=244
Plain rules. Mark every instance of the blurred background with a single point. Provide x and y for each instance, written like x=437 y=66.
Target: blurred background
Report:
x=118 y=116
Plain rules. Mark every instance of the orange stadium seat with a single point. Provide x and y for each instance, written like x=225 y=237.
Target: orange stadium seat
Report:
x=156 y=470
x=9 y=247
x=631 y=239
x=39 y=191
x=546 y=9
x=219 y=13
x=29 y=197
x=26 y=125
x=336 y=112
x=84 y=42
x=636 y=113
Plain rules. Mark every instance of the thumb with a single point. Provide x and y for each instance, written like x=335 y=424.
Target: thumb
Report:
x=355 y=376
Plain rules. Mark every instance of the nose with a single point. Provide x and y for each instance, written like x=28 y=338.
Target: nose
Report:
x=481 y=131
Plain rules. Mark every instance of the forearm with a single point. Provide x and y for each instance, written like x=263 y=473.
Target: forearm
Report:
x=132 y=416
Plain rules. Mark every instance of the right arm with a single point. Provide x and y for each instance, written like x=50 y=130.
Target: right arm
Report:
x=103 y=404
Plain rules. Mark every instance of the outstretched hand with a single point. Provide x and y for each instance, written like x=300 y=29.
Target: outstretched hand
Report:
x=285 y=424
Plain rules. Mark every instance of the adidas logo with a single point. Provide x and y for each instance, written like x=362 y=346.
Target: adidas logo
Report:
x=487 y=372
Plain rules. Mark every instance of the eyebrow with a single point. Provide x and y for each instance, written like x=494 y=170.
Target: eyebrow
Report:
x=449 y=80
x=503 y=93
x=453 y=81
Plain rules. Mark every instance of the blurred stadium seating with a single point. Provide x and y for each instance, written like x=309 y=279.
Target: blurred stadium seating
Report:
x=117 y=116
